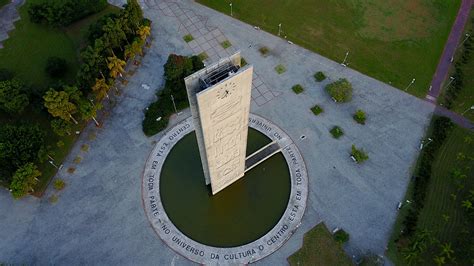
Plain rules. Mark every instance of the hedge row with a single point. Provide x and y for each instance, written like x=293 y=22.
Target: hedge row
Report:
x=441 y=128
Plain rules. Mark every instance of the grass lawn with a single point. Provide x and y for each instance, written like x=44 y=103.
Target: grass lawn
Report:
x=393 y=41
x=319 y=248
x=26 y=53
x=30 y=45
x=443 y=214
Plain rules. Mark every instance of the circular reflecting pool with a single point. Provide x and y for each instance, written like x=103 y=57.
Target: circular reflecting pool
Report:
x=239 y=214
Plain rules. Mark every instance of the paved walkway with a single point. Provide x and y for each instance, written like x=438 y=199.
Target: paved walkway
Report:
x=207 y=39
x=8 y=16
x=455 y=117
x=449 y=50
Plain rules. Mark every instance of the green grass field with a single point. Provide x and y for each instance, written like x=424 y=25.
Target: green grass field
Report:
x=393 y=41
x=443 y=214
x=319 y=248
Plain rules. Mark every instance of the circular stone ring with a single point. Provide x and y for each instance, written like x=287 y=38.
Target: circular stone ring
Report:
x=244 y=254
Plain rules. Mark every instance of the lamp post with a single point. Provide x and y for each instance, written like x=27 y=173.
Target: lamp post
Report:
x=451 y=81
x=174 y=105
x=411 y=83
x=465 y=39
x=279 y=29
x=345 y=58
x=231 y=14
x=468 y=109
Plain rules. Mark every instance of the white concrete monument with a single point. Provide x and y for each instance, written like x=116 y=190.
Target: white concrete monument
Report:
x=219 y=97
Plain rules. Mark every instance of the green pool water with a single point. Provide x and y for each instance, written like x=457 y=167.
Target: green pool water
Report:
x=239 y=214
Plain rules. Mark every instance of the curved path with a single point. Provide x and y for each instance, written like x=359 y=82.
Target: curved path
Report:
x=449 y=50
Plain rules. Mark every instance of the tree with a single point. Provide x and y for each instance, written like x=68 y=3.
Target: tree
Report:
x=12 y=99
x=18 y=145
x=61 y=127
x=113 y=34
x=136 y=47
x=115 y=66
x=133 y=14
x=439 y=260
x=144 y=32
x=89 y=110
x=58 y=105
x=340 y=91
x=93 y=62
x=24 y=179
x=100 y=88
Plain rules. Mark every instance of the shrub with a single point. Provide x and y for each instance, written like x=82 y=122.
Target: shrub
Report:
x=317 y=109
x=319 y=76
x=297 y=89
x=359 y=117
x=340 y=91
x=56 y=67
x=280 y=69
x=53 y=199
x=188 y=38
x=84 y=147
x=226 y=44
x=359 y=154
x=77 y=160
x=341 y=236
x=336 y=132
x=176 y=69
x=264 y=51
x=59 y=184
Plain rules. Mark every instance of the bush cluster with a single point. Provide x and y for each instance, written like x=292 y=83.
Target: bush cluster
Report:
x=297 y=89
x=341 y=236
x=336 y=132
x=319 y=76
x=441 y=128
x=359 y=117
x=359 y=154
x=59 y=13
x=340 y=91
x=176 y=69
x=317 y=109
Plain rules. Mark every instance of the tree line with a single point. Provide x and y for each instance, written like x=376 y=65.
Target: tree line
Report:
x=112 y=41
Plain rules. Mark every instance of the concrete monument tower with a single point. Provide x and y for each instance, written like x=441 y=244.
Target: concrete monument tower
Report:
x=219 y=97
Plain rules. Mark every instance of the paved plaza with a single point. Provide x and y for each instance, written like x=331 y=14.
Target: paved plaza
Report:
x=99 y=217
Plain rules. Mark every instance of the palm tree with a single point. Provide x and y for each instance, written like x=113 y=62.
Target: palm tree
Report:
x=440 y=260
x=144 y=32
x=447 y=250
x=101 y=87
x=136 y=47
x=467 y=204
x=115 y=66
